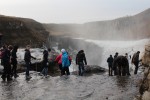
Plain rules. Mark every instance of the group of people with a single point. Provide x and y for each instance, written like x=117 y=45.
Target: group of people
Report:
x=8 y=56
x=120 y=64
x=64 y=61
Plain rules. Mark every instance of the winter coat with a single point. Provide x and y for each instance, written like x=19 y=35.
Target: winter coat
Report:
x=58 y=59
x=6 y=55
x=45 y=56
x=65 y=60
x=110 y=60
x=135 y=58
x=80 y=57
x=27 y=56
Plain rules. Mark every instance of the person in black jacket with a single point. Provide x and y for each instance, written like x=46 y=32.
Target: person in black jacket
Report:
x=27 y=58
x=115 y=68
x=14 y=61
x=110 y=63
x=6 y=63
x=45 y=62
x=81 y=60
x=135 y=61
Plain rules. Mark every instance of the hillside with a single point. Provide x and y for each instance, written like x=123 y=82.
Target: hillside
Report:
x=129 y=27
x=22 y=31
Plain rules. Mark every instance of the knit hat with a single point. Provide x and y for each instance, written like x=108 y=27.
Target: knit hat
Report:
x=63 y=50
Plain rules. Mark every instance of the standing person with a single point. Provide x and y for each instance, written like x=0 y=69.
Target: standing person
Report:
x=127 y=69
x=6 y=63
x=135 y=61
x=65 y=63
x=27 y=58
x=81 y=60
x=115 y=68
x=110 y=63
x=45 y=62
x=14 y=61
x=59 y=61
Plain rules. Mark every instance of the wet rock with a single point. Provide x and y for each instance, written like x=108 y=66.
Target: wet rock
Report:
x=94 y=69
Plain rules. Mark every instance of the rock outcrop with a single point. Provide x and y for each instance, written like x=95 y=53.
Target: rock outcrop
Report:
x=145 y=83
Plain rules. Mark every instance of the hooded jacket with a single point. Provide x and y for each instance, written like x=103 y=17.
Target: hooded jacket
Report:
x=65 y=60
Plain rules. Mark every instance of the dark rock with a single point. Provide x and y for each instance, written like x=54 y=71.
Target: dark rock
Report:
x=94 y=69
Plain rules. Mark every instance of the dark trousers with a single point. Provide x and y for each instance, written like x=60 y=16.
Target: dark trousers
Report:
x=14 y=69
x=65 y=70
x=27 y=64
x=7 y=70
x=60 y=67
x=81 y=68
x=110 y=70
x=136 y=67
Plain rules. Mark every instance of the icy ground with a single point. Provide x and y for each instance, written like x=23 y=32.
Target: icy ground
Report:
x=95 y=87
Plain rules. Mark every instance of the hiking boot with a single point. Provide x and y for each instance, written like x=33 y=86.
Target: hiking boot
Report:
x=15 y=76
x=28 y=77
x=3 y=78
x=9 y=79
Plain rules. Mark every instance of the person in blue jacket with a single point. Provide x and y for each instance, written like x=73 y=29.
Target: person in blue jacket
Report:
x=65 y=63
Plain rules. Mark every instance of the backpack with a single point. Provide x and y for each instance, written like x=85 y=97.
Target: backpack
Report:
x=1 y=54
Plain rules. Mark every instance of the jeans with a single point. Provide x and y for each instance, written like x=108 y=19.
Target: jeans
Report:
x=45 y=71
x=81 y=68
x=27 y=64
x=65 y=70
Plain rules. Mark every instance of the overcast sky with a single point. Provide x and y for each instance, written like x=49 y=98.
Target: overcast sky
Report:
x=72 y=11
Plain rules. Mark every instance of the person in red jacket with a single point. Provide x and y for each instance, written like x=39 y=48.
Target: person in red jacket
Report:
x=59 y=60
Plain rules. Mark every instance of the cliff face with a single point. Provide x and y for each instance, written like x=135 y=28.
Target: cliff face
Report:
x=22 y=31
x=125 y=28
x=145 y=83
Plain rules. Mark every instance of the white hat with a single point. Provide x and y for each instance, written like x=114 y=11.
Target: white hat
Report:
x=63 y=50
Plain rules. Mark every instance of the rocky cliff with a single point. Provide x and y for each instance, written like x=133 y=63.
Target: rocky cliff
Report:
x=22 y=31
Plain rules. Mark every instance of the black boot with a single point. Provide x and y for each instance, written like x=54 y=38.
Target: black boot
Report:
x=3 y=77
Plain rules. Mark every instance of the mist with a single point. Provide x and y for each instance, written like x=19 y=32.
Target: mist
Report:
x=101 y=38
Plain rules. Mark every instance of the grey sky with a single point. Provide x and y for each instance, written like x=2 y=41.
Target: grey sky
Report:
x=72 y=11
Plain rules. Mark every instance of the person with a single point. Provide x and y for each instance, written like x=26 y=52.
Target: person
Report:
x=81 y=61
x=127 y=69
x=14 y=61
x=115 y=67
x=110 y=63
x=116 y=55
x=135 y=61
x=65 y=63
x=59 y=60
x=27 y=59
x=45 y=62
x=6 y=63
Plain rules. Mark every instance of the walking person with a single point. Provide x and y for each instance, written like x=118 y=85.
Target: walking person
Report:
x=135 y=61
x=27 y=58
x=81 y=61
x=45 y=62
x=14 y=61
x=6 y=63
x=110 y=63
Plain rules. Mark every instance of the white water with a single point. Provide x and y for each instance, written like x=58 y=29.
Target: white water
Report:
x=122 y=47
